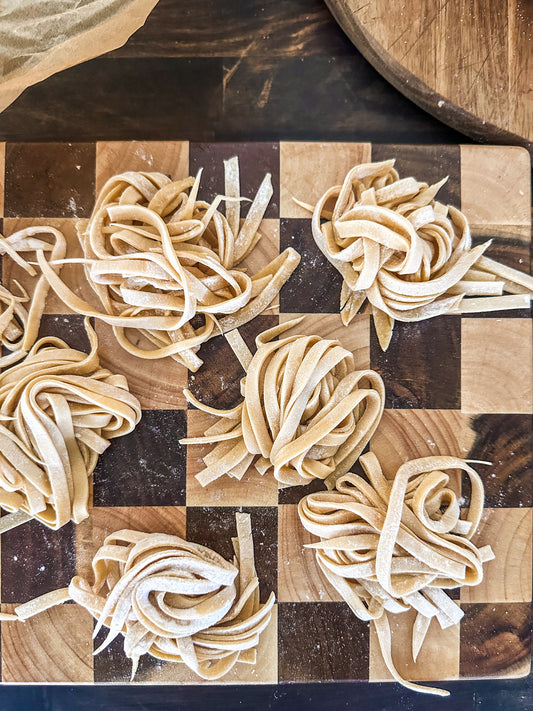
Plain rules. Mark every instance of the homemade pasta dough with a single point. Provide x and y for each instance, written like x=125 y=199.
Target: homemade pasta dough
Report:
x=156 y=256
x=19 y=326
x=58 y=410
x=175 y=600
x=307 y=412
x=410 y=256
x=388 y=546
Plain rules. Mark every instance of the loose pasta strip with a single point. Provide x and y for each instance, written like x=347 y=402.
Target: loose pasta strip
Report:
x=157 y=257
x=178 y=601
x=19 y=326
x=307 y=412
x=389 y=546
x=405 y=255
x=58 y=410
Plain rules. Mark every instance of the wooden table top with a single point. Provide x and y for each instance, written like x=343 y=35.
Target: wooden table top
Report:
x=265 y=71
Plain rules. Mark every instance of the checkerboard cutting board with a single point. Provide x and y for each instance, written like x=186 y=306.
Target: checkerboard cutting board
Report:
x=455 y=385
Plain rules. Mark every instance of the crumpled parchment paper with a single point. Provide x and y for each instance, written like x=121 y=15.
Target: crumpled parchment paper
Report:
x=41 y=37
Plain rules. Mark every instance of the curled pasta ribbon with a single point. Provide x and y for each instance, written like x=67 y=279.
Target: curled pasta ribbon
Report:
x=175 y=600
x=389 y=546
x=156 y=257
x=58 y=411
x=19 y=326
x=307 y=412
x=410 y=256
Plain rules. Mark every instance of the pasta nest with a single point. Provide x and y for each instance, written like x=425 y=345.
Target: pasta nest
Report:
x=157 y=257
x=410 y=256
x=390 y=546
x=307 y=412
x=175 y=600
x=58 y=411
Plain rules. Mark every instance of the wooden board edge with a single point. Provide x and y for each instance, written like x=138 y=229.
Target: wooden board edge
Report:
x=418 y=91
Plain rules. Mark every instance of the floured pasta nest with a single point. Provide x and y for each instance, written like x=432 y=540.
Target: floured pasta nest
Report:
x=389 y=546
x=19 y=325
x=175 y=600
x=58 y=411
x=156 y=256
x=307 y=412
x=410 y=256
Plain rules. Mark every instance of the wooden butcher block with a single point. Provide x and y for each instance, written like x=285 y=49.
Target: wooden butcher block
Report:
x=467 y=62
x=455 y=385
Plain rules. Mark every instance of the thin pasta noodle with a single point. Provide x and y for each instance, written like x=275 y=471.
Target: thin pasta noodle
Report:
x=307 y=413
x=157 y=257
x=390 y=546
x=175 y=600
x=406 y=255
x=58 y=410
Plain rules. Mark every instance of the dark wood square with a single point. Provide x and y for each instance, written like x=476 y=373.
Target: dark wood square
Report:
x=69 y=327
x=36 y=560
x=422 y=366
x=214 y=527
x=111 y=665
x=507 y=442
x=49 y=179
x=255 y=160
x=494 y=638
x=321 y=641
x=315 y=284
x=146 y=467
x=293 y=494
x=217 y=383
x=428 y=164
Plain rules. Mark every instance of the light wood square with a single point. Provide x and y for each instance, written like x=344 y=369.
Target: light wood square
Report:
x=264 y=671
x=253 y=489
x=507 y=578
x=355 y=337
x=307 y=170
x=438 y=658
x=103 y=520
x=495 y=185
x=158 y=383
x=115 y=157
x=54 y=646
x=72 y=274
x=409 y=434
x=299 y=576
x=496 y=365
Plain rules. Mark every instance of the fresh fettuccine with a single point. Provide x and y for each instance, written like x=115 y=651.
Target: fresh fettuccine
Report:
x=156 y=257
x=406 y=254
x=390 y=546
x=58 y=410
x=175 y=600
x=307 y=412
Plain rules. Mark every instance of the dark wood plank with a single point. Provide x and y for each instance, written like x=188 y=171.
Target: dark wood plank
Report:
x=117 y=99
x=319 y=98
x=258 y=28
x=324 y=98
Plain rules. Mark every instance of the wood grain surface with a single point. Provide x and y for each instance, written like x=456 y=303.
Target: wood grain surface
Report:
x=455 y=385
x=468 y=62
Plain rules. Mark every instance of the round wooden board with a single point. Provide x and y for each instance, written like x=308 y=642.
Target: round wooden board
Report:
x=467 y=62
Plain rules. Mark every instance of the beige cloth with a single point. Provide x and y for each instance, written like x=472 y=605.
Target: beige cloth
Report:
x=41 y=37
